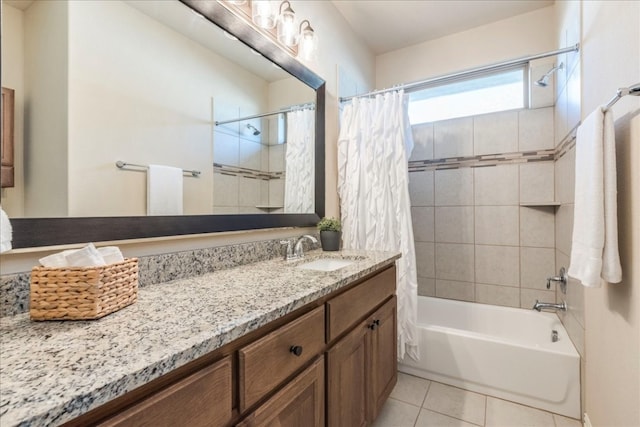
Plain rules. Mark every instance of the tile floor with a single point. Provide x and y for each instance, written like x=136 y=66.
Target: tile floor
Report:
x=416 y=402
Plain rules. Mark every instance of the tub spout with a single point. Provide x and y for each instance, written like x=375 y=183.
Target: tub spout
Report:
x=538 y=306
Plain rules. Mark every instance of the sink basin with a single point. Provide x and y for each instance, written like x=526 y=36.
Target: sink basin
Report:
x=325 y=264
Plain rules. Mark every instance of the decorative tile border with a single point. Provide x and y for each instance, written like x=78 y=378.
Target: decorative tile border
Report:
x=14 y=288
x=246 y=172
x=482 y=160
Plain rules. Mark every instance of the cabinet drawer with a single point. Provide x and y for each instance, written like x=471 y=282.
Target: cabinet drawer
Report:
x=299 y=403
x=348 y=308
x=270 y=360
x=201 y=399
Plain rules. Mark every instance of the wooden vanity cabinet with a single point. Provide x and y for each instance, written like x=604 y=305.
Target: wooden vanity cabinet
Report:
x=361 y=365
x=332 y=362
x=201 y=399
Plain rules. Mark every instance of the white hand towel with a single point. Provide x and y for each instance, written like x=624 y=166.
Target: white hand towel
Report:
x=6 y=232
x=164 y=190
x=56 y=260
x=85 y=257
x=594 y=251
x=111 y=254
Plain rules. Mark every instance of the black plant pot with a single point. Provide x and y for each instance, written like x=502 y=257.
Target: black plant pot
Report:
x=330 y=240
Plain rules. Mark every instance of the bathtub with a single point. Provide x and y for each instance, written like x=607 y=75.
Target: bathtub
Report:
x=499 y=351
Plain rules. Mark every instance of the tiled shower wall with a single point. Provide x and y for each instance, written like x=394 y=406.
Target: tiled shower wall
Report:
x=248 y=169
x=475 y=240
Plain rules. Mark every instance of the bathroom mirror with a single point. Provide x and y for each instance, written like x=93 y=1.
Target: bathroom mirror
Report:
x=108 y=225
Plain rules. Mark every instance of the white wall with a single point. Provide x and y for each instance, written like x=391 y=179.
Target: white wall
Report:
x=12 y=198
x=46 y=118
x=611 y=58
x=143 y=93
x=522 y=35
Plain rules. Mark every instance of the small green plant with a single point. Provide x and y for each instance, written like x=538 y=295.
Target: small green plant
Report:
x=329 y=224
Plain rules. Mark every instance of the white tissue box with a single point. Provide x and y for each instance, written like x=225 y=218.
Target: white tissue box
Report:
x=82 y=293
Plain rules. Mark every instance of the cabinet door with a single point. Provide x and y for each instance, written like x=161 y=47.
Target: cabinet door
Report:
x=300 y=403
x=384 y=370
x=347 y=367
x=201 y=399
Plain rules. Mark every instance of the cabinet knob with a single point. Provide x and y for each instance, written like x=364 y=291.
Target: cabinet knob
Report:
x=296 y=349
x=374 y=324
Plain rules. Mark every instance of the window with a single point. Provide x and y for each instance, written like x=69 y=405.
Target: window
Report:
x=489 y=93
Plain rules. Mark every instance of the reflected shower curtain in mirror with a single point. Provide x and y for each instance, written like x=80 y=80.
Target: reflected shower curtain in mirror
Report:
x=373 y=183
x=299 y=185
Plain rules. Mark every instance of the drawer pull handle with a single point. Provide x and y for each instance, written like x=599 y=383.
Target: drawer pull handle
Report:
x=296 y=349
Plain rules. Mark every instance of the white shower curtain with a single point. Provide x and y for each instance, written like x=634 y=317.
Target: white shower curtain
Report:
x=299 y=186
x=373 y=183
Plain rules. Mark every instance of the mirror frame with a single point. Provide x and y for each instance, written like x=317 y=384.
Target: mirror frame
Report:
x=38 y=232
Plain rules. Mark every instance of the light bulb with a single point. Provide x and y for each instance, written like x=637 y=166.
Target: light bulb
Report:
x=264 y=13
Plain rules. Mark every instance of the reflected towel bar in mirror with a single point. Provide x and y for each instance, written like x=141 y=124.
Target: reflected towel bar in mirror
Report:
x=121 y=165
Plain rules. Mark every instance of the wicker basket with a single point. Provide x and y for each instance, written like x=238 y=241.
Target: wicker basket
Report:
x=82 y=293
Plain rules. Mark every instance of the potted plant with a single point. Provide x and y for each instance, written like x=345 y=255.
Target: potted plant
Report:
x=330 y=233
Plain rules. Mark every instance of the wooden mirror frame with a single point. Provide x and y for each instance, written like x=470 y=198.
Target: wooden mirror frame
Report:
x=37 y=232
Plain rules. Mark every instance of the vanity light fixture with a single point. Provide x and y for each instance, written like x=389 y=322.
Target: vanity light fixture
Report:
x=287 y=25
x=264 y=13
x=307 y=43
x=276 y=20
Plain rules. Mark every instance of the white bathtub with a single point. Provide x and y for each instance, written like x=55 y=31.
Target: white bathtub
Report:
x=499 y=351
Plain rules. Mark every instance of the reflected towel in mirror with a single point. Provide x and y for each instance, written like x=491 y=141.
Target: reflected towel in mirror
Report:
x=164 y=190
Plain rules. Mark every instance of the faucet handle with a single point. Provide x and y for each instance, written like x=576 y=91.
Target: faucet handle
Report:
x=289 y=253
x=561 y=278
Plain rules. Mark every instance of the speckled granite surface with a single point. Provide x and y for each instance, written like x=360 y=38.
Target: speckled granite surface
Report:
x=51 y=372
x=14 y=289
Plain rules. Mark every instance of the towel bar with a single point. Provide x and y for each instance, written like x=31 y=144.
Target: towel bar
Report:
x=121 y=165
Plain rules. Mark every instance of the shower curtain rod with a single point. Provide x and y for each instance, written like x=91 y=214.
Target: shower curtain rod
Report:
x=466 y=73
x=255 y=116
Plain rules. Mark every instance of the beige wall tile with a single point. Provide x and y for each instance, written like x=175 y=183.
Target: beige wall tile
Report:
x=454 y=224
x=537 y=226
x=573 y=98
x=565 y=178
x=250 y=154
x=421 y=188
x=576 y=332
x=495 y=133
x=496 y=185
x=422 y=142
x=537 y=182
x=453 y=138
x=225 y=148
x=248 y=192
x=454 y=262
x=497 y=295
x=454 y=187
x=535 y=126
x=499 y=265
x=225 y=190
x=423 y=223
x=497 y=225
x=564 y=228
x=425 y=259
x=454 y=290
x=536 y=264
x=560 y=120
x=528 y=297
x=426 y=287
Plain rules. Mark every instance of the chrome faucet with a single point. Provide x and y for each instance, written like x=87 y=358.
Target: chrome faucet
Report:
x=297 y=251
x=538 y=306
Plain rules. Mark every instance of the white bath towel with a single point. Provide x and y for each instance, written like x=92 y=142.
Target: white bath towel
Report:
x=594 y=251
x=6 y=232
x=164 y=190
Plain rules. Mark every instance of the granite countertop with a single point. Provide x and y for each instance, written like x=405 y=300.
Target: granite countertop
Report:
x=52 y=372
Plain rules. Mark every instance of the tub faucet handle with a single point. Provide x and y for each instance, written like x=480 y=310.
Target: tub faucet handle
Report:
x=561 y=278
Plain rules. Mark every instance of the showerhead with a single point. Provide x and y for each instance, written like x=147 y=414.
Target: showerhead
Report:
x=253 y=128
x=544 y=80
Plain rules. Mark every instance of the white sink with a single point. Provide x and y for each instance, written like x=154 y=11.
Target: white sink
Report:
x=325 y=264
